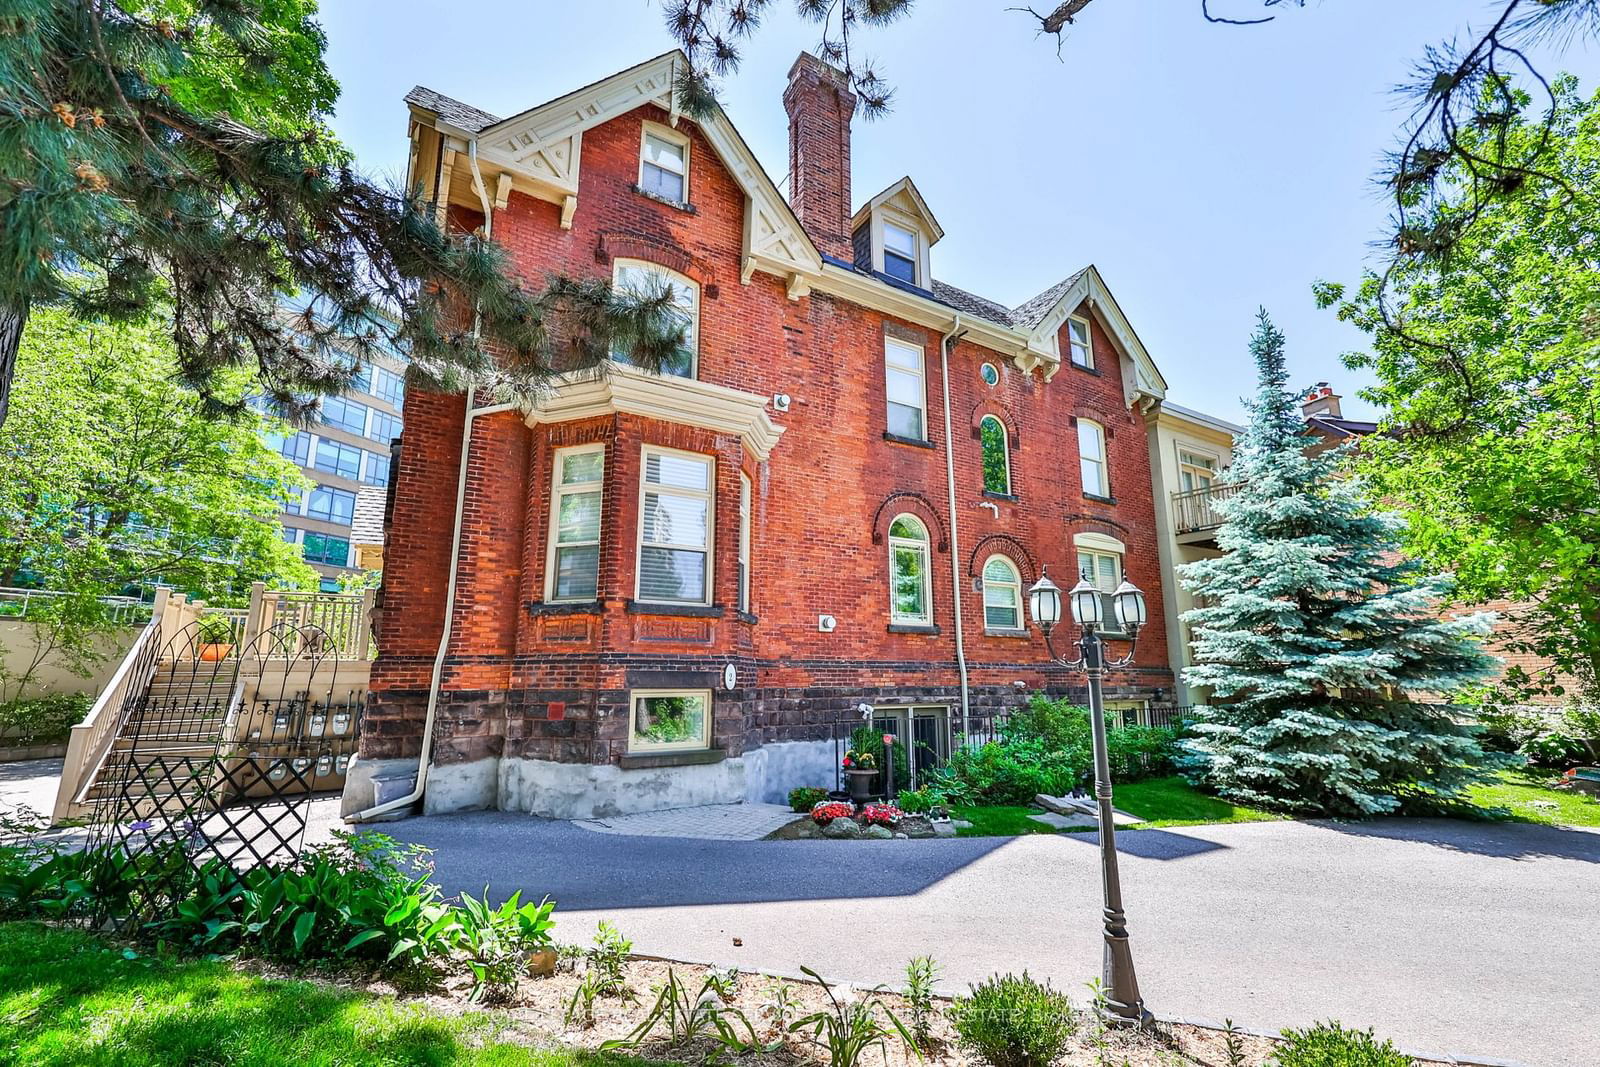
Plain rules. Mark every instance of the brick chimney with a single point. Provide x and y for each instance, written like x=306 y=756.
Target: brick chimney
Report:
x=1320 y=399
x=820 y=104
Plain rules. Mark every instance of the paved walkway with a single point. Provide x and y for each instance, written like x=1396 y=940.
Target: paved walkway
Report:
x=1478 y=940
x=715 y=822
x=30 y=783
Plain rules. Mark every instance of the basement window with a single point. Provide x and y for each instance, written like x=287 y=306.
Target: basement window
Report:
x=669 y=720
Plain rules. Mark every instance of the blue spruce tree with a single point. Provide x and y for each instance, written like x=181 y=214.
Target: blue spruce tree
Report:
x=1318 y=643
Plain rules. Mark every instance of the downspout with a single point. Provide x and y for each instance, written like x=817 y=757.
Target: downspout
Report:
x=945 y=344
x=425 y=759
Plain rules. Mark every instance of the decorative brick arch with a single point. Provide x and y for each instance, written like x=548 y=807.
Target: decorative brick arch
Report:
x=1099 y=524
x=1110 y=420
x=983 y=410
x=909 y=503
x=1007 y=546
x=616 y=244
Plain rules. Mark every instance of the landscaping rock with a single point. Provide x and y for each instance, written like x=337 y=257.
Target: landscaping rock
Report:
x=805 y=828
x=842 y=828
x=944 y=828
x=917 y=826
x=901 y=837
x=878 y=833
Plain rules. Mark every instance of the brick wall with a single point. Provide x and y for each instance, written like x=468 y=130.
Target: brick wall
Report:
x=550 y=681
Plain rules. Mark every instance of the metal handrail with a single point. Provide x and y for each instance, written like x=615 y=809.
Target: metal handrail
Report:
x=15 y=602
x=1195 y=509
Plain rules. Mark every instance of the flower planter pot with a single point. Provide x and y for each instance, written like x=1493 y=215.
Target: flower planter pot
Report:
x=215 y=651
x=860 y=780
x=541 y=962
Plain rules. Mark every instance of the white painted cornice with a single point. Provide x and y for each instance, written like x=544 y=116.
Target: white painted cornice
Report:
x=622 y=389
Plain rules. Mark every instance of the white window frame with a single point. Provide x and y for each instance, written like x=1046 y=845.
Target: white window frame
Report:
x=1014 y=583
x=709 y=495
x=922 y=545
x=674 y=278
x=557 y=491
x=1108 y=621
x=1186 y=465
x=886 y=224
x=1098 y=461
x=1005 y=452
x=921 y=374
x=1087 y=363
x=744 y=541
x=697 y=744
x=668 y=134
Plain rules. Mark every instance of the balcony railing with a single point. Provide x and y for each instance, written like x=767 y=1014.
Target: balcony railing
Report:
x=1195 y=509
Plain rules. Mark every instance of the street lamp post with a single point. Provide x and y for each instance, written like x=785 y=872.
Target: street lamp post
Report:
x=1123 y=1002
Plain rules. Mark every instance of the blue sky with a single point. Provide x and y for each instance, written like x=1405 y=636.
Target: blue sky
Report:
x=1204 y=169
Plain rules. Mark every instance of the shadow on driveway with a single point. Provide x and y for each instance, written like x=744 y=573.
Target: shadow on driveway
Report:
x=585 y=870
x=1525 y=841
x=582 y=870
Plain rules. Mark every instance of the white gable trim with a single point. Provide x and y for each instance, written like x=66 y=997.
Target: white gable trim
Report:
x=1141 y=381
x=542 y=149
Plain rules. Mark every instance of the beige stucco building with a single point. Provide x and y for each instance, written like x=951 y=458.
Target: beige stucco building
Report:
x=1189 y=451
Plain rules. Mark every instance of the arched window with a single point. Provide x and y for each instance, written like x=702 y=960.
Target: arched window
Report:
x=1002 y=595
x=648 y=280
x=910 y=596
x=996 y=463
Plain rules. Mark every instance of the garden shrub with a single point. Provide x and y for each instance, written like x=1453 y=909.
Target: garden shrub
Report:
x=870 y=740
x=1331 y=1045
x=1047 y=746
x=1013 y=1021
x=1508 y=729
x=806 y=797
x=919 y=801
x=42 y=721
x=1555 y=749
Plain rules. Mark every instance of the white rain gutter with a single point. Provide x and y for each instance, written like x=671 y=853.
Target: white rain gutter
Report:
x=424 y=761
x=955 y=334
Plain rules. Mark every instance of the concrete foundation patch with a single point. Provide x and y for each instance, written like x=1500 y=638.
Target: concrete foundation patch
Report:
x=590 y=791
x=471 y=786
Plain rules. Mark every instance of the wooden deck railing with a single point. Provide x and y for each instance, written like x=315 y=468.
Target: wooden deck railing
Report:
x=91 y=740
x=1195 y=510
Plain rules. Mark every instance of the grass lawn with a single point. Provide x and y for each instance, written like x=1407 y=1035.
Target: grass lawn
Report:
x=1159 y=801
x=69 y=998
x=1522 y=796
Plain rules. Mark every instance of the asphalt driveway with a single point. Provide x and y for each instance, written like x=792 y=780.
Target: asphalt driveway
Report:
x=1481 y=941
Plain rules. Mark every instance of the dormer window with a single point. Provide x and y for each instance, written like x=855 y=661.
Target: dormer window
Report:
x=899 y=253
x=664 y=164
x=892 y=233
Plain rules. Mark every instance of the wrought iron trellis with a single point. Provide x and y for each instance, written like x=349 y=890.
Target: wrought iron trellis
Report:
x=217 y=762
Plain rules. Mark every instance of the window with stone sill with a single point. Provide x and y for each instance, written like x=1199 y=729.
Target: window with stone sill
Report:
x=573 y=566
x=1092 y=458
x=675 y=527
x=669 y=720
x=664 y=164
x=910 y=592
x=906 y=392
x=1002 y=595
x=996 y=457
x=1080 y=349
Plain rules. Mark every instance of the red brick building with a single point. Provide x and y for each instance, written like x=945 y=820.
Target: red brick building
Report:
x=669 y=586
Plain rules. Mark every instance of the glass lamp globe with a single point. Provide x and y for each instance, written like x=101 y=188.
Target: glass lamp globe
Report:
x=1044 y=600
x=1128 y=603
x=1087 y=609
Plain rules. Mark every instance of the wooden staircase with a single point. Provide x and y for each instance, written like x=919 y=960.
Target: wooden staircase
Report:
x=162 y=752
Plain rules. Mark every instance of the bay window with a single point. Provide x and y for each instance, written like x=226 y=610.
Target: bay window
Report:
x=675 y=527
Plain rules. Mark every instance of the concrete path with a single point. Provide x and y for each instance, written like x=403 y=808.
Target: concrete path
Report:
x=713 y=822
x=1481 y=941
x=30 y=783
